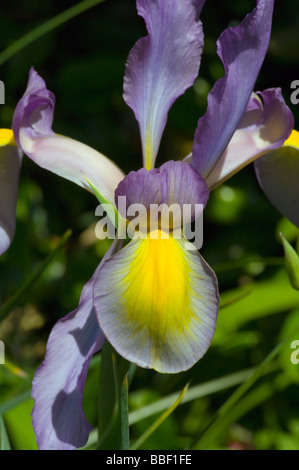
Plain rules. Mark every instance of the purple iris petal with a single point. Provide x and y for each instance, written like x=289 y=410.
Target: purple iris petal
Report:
x=63 y=156
x=173 y=183
x=242 y=50
x=58 y=419
x=35 y=110
x=162 y=66
x=265 y=125
x=277 y=173
x=10 y=164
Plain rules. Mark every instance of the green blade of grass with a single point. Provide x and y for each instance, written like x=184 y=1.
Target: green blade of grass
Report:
x=211 y=429
x=193 y=393
x=197 y=391
x=4 y=441
x=46 y=27
x=14 y=401
x=160 y=420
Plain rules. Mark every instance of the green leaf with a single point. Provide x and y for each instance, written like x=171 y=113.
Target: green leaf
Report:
x=46 y=27
x=125 y=434
x=108 y=414
x=292 y=262
x=160 y=420
x=211 y=430
x=4 y=441
x=111 y=210
x=272 y=296
x=198 y=391
x=19 y=426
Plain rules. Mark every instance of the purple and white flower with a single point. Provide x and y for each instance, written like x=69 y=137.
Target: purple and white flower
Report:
x=154 y=300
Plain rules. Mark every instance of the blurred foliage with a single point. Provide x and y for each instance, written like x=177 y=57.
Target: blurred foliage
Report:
x=83 y=63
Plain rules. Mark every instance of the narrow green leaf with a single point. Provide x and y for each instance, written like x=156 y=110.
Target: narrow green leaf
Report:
x=35 y=275
x=193 y=393
x=267 y=297
x=245 y=262
x=125 y=433
x=14 y=369
x=291 y=262
x=14 y=401
x=4 y=441
x=160 y=420
x=111 y=210
x=198 y=391
x=108 y=400
x=211 y=428
x=19 y=427
x=46 y=27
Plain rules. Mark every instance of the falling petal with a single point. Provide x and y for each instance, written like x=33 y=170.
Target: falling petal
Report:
x=157 y=301
x=278 y=174
x=10 y=164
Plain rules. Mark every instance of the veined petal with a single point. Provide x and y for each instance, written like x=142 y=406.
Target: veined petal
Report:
x=10 y=164
x=162 y=66
x=265 y=125
x=278 y=173
x=242 y=50
x=68 y=158
x=58 y=419
x=174 y=187
x=157 y=302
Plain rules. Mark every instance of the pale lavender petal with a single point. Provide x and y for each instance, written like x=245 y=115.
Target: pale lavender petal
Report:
x=58 y=419
x=266 y=124
x=10 y=164
x=278 y=174
x=162 y=66
x=68 y=158
x=242 y=50
x=157 y=302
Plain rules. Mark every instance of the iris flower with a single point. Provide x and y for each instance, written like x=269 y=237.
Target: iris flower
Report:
x=155 y=300
x=10 y=164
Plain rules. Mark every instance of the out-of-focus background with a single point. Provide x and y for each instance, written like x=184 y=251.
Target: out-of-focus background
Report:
x=83 y=63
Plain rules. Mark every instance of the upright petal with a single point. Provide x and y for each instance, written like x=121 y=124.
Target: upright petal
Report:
x=157 y=302
x=174 y=186
x=58 y=419
x=278 y=174
x=162 y=66
x=265 y=125
x=242 y=50
x=10 y=164
x=32 y=125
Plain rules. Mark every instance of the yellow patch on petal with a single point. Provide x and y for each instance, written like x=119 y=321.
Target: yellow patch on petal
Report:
x=157 y=289
x=148 y=164
x=157 y=301
x=7 y=138
x=293 y=140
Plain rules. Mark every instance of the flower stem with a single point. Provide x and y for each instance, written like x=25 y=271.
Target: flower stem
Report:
x=125 y=434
